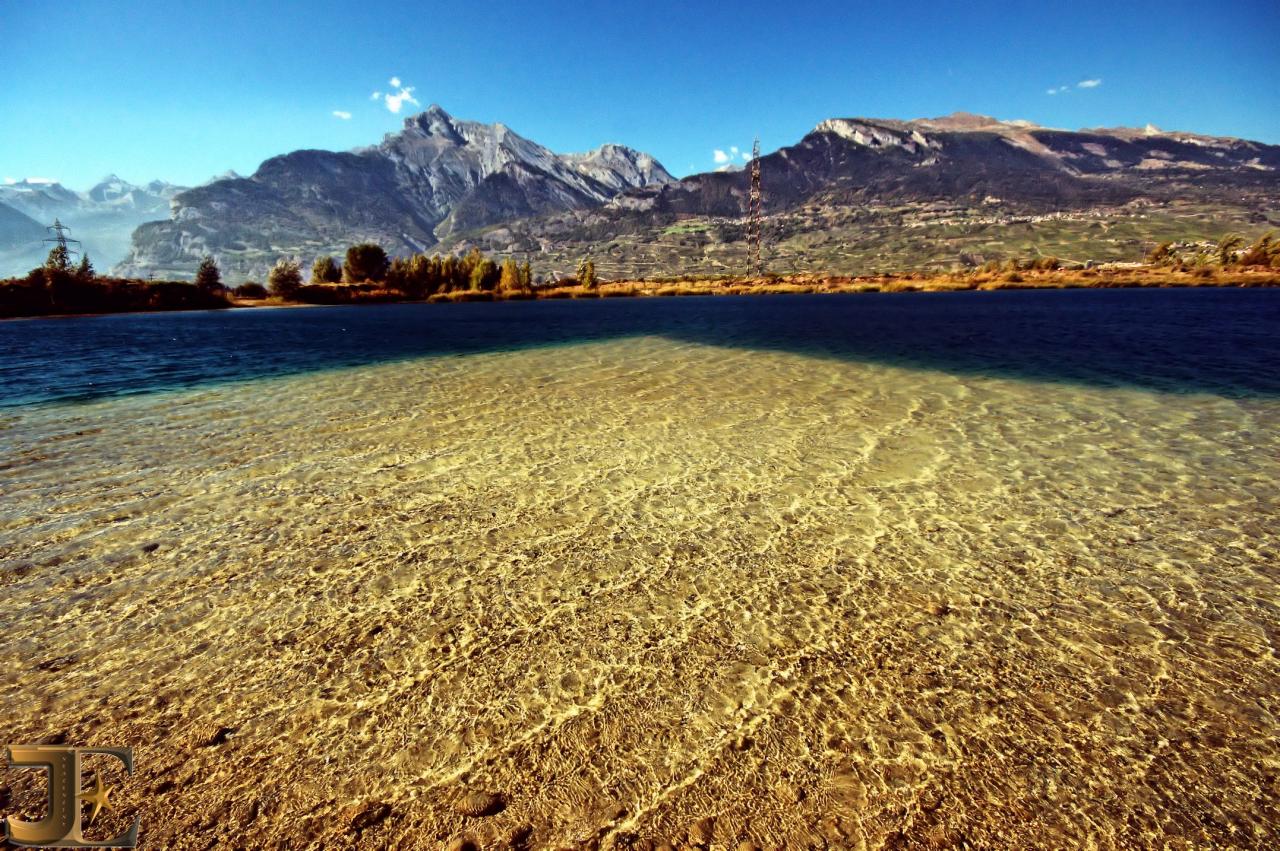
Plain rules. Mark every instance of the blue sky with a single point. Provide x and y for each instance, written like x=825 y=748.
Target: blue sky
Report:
x=183 y=91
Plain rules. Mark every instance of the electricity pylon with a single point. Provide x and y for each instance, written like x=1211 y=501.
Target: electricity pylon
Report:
x=755 y=205
x=61 y=240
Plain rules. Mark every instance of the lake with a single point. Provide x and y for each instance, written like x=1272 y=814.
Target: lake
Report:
x=799 y=571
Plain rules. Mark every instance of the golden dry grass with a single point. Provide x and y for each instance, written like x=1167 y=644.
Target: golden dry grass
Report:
x=1099 y=278
x=1102 y=277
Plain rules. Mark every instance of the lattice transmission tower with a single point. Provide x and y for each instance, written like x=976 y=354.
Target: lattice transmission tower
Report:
x=61 y=240
x=755 y=208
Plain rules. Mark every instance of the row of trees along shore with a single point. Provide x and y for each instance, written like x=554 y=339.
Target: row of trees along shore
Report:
x=366 y=271
x=368 y=274
x=1230 y=251
x=365 y=274
x=63 y=287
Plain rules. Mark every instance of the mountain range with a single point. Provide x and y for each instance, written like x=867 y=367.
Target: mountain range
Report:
x=864 y=195
x=103 y=218
x=854 y=195
x=437 y=177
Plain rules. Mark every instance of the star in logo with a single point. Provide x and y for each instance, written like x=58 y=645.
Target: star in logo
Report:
x=98 y=796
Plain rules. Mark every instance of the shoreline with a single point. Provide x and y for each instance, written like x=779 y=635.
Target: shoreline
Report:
x=1136 y=278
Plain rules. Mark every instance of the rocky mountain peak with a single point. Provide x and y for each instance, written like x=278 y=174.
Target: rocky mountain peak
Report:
x=434 y=122
x=620 y=167
x=438 y=176
x=877 y=134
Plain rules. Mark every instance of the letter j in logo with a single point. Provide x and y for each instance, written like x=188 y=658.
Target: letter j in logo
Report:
x=61 y=827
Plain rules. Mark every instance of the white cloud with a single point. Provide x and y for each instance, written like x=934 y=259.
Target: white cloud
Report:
x=395 y=100
x=727 y=157
x=1089 y=84
x=343 y=114
x=1058 y=90
x=400 y=98
x=10 y=180
x=41 y=180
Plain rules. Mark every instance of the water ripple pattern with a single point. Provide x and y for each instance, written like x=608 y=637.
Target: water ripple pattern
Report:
x=654 y=588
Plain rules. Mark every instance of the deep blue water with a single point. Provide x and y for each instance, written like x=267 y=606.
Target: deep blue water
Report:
x=1224 y=341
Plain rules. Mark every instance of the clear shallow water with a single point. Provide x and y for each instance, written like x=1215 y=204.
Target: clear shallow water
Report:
x=824 y=572
x=1221 y=341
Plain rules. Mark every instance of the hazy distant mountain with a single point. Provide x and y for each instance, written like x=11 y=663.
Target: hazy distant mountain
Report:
x=102 y=218
x=436 y=177
x=20 y=237
x=859 y=195
x=40 y=199
x=18 y=230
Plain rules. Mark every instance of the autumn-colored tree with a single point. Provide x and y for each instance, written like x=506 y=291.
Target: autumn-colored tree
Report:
x=419 y=278
x=1227 y=248
x=452 y=274
x=1161 y=254
x=484 y=275
x=470 y=261
x=587 y=274
x=1264 y=251
x=509 y=278
x=398 y=274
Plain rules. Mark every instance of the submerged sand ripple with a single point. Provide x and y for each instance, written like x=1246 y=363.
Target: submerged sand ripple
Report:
x=642 y=592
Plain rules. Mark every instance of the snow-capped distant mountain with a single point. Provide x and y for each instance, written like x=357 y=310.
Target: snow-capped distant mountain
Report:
x=150 y=197
x=102 y=218
x=39 y=198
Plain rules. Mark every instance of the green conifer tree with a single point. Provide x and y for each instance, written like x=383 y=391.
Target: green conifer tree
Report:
x=59 y=260
x=84 y=271
x=208 y=276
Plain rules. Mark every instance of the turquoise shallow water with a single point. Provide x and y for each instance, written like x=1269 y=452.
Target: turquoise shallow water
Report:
x=705 y=580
